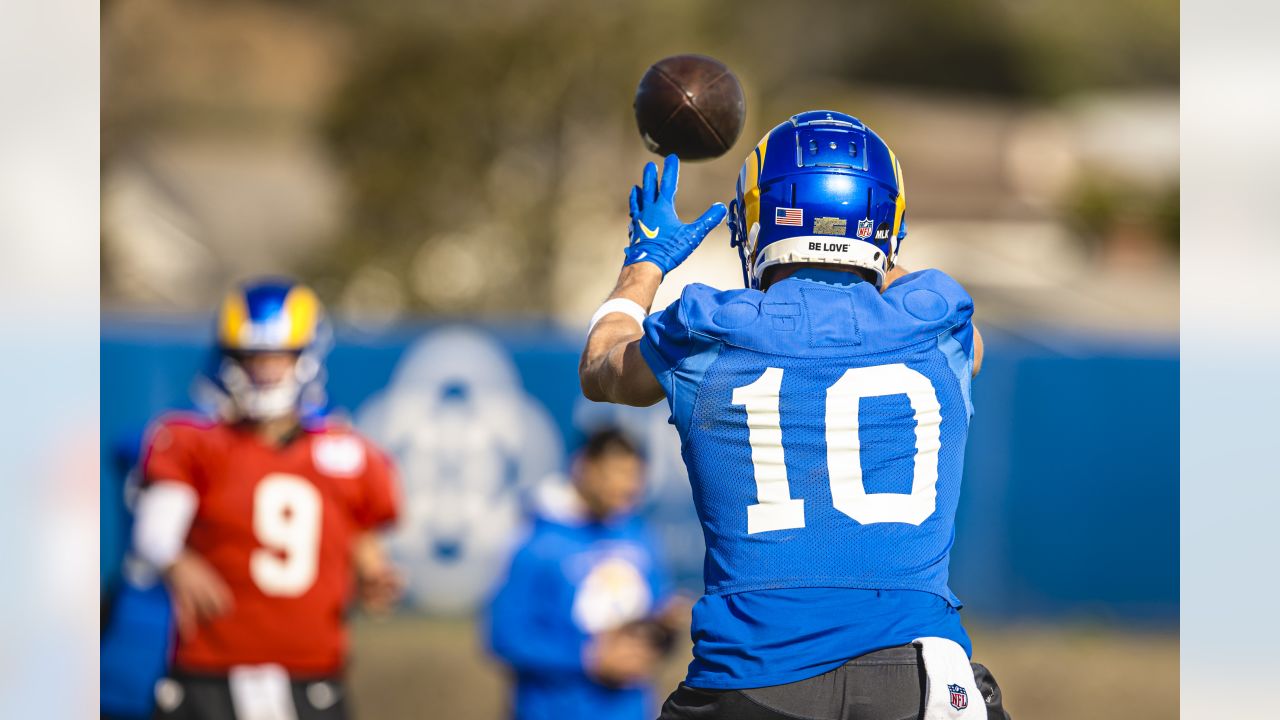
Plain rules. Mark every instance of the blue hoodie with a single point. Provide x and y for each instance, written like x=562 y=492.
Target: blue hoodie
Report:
x=570 y=579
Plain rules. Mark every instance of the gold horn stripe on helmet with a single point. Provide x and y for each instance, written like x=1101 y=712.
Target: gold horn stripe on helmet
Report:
x=901 y=203
x=234 y=319
x=292 y=328
x=751 y=185
x=303 y=310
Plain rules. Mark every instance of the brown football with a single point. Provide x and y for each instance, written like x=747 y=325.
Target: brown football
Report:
x=690 y=105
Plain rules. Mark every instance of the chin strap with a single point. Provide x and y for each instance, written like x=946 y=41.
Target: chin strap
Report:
x=252 y=402
x=897 y=244
x=737 y=240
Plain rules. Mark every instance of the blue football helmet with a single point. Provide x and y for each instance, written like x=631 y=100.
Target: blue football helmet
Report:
x=819 y=188
x=269 y=315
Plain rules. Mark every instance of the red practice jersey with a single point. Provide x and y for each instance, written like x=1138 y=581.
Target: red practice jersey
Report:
x=277 y=524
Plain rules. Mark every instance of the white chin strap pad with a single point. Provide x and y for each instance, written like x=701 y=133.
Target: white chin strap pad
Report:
x=827 y=249
x=952 y=692
x=259 y=403
x=271 y=402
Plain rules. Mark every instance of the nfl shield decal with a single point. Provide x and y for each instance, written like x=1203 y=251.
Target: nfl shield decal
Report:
x=959 y=697
x=864 y=228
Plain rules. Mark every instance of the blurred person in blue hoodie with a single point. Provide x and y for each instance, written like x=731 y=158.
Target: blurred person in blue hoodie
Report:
x=585 y=613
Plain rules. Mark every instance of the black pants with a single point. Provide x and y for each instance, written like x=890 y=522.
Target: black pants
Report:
x=887 y=684
x=208 y=697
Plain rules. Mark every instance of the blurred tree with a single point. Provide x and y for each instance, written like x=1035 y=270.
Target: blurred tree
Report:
x=453 y=124
x=451 y=132
x=1028 y=49
x=965 y=47
x=1099 y=207
x=1168 y=216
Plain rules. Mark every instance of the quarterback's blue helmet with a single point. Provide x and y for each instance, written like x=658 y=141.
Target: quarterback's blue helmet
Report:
x=821 y=188
x=270 y=315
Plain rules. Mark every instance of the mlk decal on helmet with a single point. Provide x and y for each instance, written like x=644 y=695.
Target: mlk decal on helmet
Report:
x=822 y=188
x=268 y=315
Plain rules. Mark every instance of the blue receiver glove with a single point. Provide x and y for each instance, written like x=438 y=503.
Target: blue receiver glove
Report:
x=657 y=235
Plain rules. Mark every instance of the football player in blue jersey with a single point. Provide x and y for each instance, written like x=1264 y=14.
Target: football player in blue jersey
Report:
x=585 y=612
x=823 y=412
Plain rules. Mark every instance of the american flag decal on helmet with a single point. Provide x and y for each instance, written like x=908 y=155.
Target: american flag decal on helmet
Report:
x=959 y=697
x=788 y=216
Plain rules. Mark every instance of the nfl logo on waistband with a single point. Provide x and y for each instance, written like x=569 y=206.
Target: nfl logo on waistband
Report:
x=959 y=697
x=864 y=229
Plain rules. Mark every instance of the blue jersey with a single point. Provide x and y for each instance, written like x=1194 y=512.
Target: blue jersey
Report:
x=823 y=425
x=135 y=648
x=570 y=580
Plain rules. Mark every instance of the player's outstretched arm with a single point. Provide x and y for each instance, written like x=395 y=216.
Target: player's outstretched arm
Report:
x=612 y=368
x=898 y=271
x=162 y=520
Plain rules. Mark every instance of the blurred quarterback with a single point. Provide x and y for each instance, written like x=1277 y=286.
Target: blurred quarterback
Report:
x=823 y=413
x=257 y=520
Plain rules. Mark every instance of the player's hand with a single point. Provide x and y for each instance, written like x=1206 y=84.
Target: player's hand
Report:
x=675 y=613
x=619 y=658
x=661 y=628
x=657 y=234
x=199 y=593
x=379 y=583
x=381 y=590
x=659 y=636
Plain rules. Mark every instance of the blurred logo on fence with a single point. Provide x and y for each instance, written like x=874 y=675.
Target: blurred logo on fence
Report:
x=470 y=445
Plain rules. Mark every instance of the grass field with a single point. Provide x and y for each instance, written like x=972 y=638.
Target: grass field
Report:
x=417 y=668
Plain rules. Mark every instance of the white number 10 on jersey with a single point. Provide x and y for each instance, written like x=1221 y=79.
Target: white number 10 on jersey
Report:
x=775 y=509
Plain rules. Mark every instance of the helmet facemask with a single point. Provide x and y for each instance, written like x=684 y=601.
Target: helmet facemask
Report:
x=258 y=401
